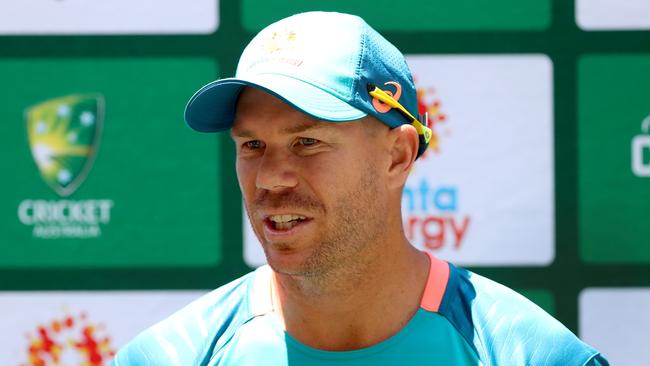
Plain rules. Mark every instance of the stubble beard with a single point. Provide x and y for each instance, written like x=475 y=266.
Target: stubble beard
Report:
x=345 y=247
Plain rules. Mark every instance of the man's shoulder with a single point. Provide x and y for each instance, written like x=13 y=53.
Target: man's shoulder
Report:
x=192 y=333
x=505 y=327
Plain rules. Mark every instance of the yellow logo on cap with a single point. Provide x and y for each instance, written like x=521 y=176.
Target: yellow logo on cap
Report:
x=280 y=41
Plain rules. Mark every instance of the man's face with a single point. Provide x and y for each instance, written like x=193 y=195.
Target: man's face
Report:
x=314 y=191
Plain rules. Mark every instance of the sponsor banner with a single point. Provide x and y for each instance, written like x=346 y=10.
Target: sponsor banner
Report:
x=615 y=321
x=613 y=14
x=483 y=193
x=412 y=15
x=103 y=171
x=79 y=327
x=109 y=17
x=614 y=158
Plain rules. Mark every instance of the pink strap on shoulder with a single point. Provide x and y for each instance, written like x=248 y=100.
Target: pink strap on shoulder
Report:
x=436 y=284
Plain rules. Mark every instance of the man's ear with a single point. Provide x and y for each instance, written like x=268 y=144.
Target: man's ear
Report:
x=404 y=149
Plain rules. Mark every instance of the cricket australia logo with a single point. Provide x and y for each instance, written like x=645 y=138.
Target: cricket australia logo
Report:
x=63 y=137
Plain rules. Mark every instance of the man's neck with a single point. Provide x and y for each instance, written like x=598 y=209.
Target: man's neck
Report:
x=353 y=308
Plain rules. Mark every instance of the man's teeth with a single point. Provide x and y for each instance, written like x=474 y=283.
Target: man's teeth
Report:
x=285 y=222
x=285 y=218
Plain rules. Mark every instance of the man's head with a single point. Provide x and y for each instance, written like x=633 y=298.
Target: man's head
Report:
x=323 y=113
x=318 y=194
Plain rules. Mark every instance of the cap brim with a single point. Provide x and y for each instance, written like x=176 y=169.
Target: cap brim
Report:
x=212 y=108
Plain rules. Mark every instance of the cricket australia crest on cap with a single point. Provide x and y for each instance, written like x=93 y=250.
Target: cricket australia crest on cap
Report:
x=63 y=135
x=278 y=47
x=280 y=41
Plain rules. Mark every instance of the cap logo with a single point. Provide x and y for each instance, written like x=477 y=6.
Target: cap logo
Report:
x=382 y=107
x=280 y=41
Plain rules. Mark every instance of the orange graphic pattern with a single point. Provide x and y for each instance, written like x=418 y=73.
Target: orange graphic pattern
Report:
x=429 y=102
x=69 y=333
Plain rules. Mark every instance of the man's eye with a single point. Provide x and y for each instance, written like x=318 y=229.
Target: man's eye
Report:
x=253 y=145
x=307 y=141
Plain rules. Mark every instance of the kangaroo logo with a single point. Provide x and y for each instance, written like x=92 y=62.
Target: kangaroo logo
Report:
x=382 y=107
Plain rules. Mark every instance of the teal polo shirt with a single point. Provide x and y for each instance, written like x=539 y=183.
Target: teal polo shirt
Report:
x=463 y=319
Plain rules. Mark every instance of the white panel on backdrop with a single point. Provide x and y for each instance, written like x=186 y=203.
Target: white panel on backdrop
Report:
x=253 y=253
x=615 y=321
x=79 y=323
x=613 y=14
x=483 y=193
x=108 y=17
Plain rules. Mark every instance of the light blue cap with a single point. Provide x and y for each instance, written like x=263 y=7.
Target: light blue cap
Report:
x=321 y=63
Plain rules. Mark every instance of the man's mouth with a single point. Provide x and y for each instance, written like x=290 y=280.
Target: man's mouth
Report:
x=284 y=222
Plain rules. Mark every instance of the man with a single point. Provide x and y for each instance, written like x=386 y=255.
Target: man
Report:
x=323 y=113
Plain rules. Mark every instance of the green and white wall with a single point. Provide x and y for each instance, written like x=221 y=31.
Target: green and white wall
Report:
x=113 y=213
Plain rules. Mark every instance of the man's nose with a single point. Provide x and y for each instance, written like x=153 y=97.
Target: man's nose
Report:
x=276 y=171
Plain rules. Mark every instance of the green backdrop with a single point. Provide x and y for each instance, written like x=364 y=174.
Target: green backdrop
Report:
x=176 y=214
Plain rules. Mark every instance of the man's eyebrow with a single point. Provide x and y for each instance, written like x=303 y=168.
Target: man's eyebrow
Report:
x=241 y=133
x=302 y=127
